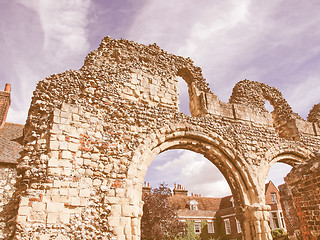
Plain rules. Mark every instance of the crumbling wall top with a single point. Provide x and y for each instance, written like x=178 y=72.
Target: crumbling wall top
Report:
x=314 y=114
x=254 y=94
x=128 y=55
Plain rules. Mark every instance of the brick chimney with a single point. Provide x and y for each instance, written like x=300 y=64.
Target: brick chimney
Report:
x=146 y=189
x=5 y=101
x=179 y=190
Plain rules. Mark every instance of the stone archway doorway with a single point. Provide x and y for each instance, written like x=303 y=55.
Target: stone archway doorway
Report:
x=217 y=151
x=199 y=194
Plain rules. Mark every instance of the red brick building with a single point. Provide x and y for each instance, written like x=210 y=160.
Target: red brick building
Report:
x=204 y=210
x=10 y=147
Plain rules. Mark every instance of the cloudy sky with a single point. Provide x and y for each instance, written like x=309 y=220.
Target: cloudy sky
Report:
x=276 y=42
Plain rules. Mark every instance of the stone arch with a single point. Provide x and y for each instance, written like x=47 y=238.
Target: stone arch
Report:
x=212 y=146
x=291 y=155
x=217 y=150
x=254 y=94
x=89 y=130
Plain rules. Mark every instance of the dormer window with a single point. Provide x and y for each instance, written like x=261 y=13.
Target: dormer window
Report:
x=193 y=205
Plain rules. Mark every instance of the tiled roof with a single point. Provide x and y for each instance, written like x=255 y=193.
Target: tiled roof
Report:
x=10 y=142
x=185 y=213
x=204 y=203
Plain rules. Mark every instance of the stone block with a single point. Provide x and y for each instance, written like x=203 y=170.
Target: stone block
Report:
x=44 y=237
x=85 y=192
x=52 y=217
x=63 y=145
x=114 y=221
x=73 y=147
x=24 y=211
x=127 y=211
x=65 y=115
x=73 y=192
x=111 y=200
x=38 y=206
x=66 y=171
x=63 y=191
x=54 y=171
x=66 y=155
x=75 y=201
x=38 y=217
x=54 y=145
x=22 y=219
x=64 y=217
x=304 y=126
x=55 y=206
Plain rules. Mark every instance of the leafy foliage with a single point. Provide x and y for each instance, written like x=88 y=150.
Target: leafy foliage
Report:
x=219 y=228
x=159 y=220
x=189 y=232
x=279 y=233
x=204 y=235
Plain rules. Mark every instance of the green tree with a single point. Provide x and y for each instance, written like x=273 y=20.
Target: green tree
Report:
x=159 y=220
x=204 y=235
x=219 y=229
x=189 y=232
x=279 y=233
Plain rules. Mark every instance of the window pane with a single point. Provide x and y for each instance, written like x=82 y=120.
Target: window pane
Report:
x=210 y=227
x=197 y=227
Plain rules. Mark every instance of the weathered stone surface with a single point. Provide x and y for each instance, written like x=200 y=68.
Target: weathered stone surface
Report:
x=91 y=135
x=303 y=185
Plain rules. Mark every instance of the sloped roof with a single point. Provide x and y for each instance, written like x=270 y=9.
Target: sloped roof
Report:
x=226 y=207
x=225 y=202
x=204 y=203
x=10 y=142
x=195 y=213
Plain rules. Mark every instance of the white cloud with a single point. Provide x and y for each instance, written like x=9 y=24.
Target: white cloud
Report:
x=64 y=27
x=43 y=38
x=304 y=95
x=191 y=170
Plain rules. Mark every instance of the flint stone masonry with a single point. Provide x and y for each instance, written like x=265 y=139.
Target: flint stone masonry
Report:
x=91 y=135
x=8 y=177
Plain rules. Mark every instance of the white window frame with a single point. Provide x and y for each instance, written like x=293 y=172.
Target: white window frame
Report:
x=197 y=227
x=238 y=225
x=227 y=226
x=210 y=227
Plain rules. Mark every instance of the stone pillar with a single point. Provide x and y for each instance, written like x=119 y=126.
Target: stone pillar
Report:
x=255 y=220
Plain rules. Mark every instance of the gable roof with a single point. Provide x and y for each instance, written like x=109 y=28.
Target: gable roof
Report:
x=204 y=203
x=10 y=142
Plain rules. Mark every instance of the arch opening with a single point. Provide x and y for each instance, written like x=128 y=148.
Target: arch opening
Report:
x=198 y=189
x=276 y=196
x=190 y=169
x=184 y=101
x=269 y=107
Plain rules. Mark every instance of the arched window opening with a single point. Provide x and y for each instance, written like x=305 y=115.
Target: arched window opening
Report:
x=191 y=170
x=268 y=106
x=183 y=96
x=277 y=197
x=197 y=187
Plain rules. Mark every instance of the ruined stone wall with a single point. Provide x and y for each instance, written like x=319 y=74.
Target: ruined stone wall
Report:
x=289 y=212
x=8 y=204
x=304 y=184
x=91 y=135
